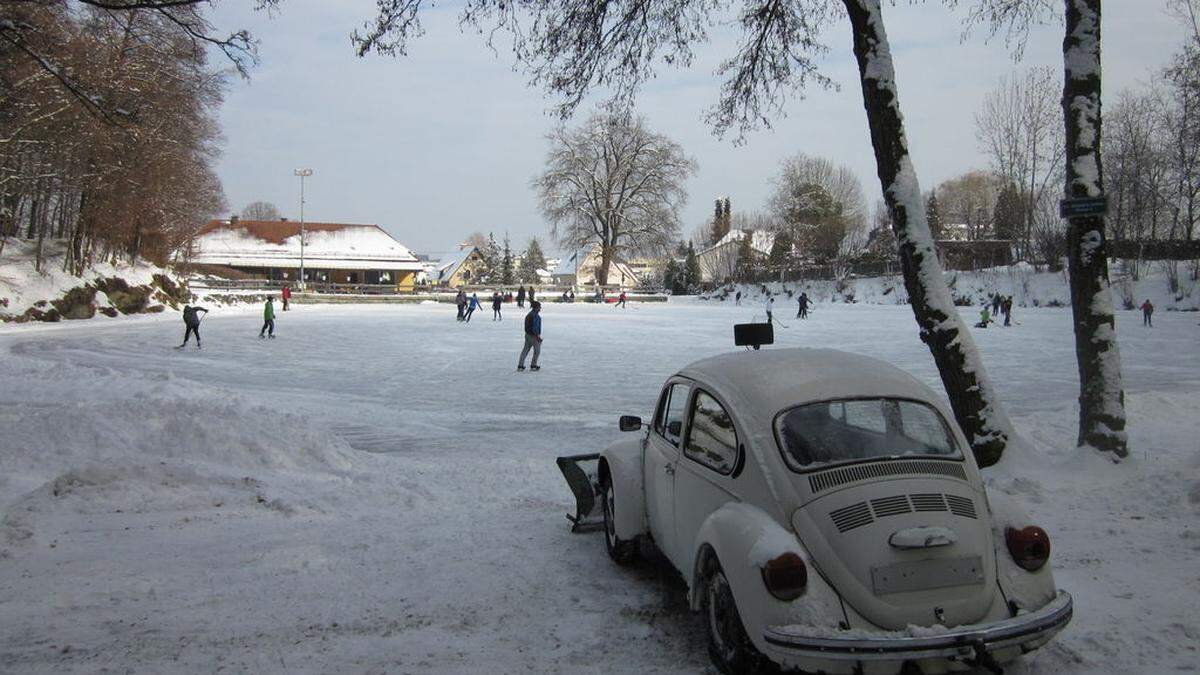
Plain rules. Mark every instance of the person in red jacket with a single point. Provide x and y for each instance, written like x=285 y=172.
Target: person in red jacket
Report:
x=1147 y=313
x=287 y=295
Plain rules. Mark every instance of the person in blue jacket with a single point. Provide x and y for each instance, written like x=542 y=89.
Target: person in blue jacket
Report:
x=472 y=305
x=533 y=336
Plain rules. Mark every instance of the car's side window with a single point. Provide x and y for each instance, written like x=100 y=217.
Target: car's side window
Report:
x=671 y=410
x=712 y=440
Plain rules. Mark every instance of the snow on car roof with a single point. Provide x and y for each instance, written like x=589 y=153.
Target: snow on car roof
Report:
x=764 y=382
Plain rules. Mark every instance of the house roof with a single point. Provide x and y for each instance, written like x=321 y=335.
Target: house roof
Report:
x=276 y=243
x=447 y=267
x=567 y=265
x=761 y=240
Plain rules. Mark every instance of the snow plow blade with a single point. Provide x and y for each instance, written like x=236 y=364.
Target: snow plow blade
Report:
x=583 y=476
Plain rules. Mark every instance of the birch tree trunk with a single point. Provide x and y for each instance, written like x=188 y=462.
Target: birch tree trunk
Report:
x=1101 y=391
x=976 y=406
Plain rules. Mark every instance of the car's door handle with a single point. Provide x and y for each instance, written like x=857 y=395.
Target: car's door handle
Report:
x=670 y=469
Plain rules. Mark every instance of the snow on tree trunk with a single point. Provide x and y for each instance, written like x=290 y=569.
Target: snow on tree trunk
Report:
x=1101 y=393
x=976 y=406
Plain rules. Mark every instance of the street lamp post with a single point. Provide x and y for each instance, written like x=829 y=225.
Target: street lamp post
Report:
x=302 y=173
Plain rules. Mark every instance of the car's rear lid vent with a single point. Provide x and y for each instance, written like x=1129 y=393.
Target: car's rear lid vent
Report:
x=890 y=506
x=928 y=502
x=849 y=517
x=825 y=480
x=961 y=506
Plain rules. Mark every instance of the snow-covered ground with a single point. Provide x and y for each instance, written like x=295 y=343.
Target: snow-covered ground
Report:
x=375 y=489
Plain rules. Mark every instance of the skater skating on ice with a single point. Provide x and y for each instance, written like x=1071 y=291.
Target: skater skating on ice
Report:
x=620 y=300
x=521 y=296
x=287 y=296
x=472 y=305
x=533 y=336
x=497 y=300
x=1148 y=314
x=802 y=311
x=268 y=329
x=769 y=307
x=460 y=300
x=191 y=322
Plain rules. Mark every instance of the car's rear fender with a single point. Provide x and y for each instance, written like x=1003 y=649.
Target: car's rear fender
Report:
x=621 y=467
x=1024 y=589
x=742 y=538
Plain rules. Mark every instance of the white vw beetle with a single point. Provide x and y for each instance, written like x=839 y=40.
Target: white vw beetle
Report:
x=827 y=514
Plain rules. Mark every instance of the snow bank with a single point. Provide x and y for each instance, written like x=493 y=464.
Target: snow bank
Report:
x=1028 y=288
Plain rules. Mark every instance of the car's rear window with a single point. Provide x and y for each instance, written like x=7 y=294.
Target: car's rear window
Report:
x=852 y=430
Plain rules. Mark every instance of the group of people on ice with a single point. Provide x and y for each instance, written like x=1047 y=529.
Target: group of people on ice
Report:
x=191 y=319
x=998 y=303
x=467 y=306
x=802 y=304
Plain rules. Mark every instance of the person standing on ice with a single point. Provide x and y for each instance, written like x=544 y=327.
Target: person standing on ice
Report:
x=1006 y=307
x=620 y=300
x=529 y=296
x=802 y=312
x=268 y=319
x=1148 y=314
x=533 y=336
x=521 y=296
x=496 y=300
x=737 y=299
x=472 y=305
x=461 y=301
x=286 y=295
x=191 y=322
x=769 y=305
x=997 y=304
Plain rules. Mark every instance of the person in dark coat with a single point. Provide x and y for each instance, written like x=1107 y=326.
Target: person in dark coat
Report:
x=191 y=322
x=1006 y=307
x=529 y=296
x=737 y=299
x=997 y=304
x=461 y=301
x=521 y=296
x=533 y=336
x=496 y=301
x=802 y=312
x=620 y=300
x=1148 y=314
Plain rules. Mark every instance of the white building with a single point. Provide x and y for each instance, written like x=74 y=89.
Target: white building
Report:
x=719 y=261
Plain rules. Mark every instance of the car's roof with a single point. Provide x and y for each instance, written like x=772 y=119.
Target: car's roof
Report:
x=764 y=382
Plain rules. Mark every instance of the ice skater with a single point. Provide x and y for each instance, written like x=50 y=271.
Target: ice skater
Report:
x=997 y=304
x=769 y=306
x=984 y=318
x=521 y=296
x=737 y=299
x=802 y=312
x=268 y=329
x=1148 y=314
x=472 y=305
x=461 y=301
x=191 y=322
x=496 y=302
x=287 y=296
x=1006 y=307
x=533 y=336
x=620 y=300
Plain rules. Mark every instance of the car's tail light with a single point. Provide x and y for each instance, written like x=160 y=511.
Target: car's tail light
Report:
x=1029 y=546
x=785 y=576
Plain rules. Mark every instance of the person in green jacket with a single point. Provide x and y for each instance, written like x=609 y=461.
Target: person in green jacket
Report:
x=268 y=320
x=984 y=318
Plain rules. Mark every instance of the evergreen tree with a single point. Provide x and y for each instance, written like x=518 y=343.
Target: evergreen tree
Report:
x=672 y=276
x=716 y=228
x=1009 y=211
x=532 y=261
x=490 y=253
x=933 y=216
x=691 y=268
x=781 y=251
x=506 y=264
x=747 y=263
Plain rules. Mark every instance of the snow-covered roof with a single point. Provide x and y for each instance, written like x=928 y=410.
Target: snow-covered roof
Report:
x=276 y=243
x=448 y=266
x=762 y=383
x=761 y=240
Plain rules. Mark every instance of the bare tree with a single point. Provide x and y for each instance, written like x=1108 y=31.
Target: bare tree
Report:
x=615 y=183
x=1019 y=127
x=967 y=203
x=818 y=202
x=261 y=211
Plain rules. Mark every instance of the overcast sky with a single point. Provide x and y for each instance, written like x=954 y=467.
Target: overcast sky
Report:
x=444 y=142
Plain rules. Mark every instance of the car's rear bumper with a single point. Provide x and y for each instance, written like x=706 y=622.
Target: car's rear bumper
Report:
x=972 y=642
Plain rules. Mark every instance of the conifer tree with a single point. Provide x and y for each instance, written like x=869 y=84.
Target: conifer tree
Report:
x=933 y=215
x=506 y=263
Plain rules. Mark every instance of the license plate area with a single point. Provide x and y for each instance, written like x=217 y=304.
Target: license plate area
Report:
x=922 y=575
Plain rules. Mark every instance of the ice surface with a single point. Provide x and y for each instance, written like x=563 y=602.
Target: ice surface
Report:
x=375 y=490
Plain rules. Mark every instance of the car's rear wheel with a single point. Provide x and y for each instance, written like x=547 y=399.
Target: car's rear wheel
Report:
x=729 y=646
x=623 y=552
